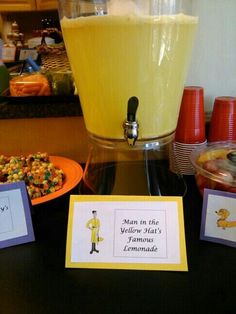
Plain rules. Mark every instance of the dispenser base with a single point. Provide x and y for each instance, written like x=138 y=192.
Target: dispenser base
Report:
x=133 y=178
x=114 y=168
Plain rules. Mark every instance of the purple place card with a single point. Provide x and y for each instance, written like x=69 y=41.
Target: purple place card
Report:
x=219 y=217
x=15 y=216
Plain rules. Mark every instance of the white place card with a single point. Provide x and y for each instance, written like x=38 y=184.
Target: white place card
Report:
x=126 y=232
x=15 y=217
x=219 y=217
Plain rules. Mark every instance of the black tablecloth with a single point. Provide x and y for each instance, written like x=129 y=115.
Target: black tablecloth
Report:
x=33 y=278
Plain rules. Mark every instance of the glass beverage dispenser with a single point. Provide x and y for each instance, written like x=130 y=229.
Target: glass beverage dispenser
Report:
x=129 y=59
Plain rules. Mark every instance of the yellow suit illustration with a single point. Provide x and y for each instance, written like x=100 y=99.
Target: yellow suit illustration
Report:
x=94 y=225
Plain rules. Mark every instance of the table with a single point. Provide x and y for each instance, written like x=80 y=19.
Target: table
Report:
x=33 y=278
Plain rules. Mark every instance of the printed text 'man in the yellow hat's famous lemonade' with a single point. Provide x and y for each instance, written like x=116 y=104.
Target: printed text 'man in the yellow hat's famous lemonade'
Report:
x=116 y=57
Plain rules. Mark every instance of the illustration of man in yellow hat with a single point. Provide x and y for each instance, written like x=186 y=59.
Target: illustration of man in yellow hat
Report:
x=94 y=225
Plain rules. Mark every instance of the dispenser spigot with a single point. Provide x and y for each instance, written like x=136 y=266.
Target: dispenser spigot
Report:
x=130 y=125
x=130 y=132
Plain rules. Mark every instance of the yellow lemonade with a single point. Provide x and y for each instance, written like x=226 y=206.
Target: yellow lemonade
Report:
x=116 y=57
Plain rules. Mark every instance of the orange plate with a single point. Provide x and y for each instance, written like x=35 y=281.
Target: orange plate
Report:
x=73 y=175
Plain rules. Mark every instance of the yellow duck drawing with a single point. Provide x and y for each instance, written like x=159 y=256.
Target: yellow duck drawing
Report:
x=222 y=222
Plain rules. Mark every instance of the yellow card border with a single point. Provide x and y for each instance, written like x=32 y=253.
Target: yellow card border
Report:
x=182 y=266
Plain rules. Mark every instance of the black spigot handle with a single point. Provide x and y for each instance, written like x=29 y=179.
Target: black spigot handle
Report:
x=132 y=108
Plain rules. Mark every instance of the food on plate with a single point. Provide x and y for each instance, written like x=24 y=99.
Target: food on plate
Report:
x=40 y=175
x=215 y=168
x=34 y=84
x=62 y=82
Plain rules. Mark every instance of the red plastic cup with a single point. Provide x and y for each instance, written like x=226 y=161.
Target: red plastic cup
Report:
x=223 y=120
x=191 y=122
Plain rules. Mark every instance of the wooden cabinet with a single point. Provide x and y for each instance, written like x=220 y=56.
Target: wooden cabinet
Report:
x=17 y=5
x=46 y=4
x=27 y=5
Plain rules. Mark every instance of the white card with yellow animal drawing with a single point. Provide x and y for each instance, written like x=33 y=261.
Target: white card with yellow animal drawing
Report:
x=219 y=217
x=126 y=232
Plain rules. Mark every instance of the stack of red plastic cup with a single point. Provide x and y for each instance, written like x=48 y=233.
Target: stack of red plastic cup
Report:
x=223 y=120
x=191 y=123
x=190 y=130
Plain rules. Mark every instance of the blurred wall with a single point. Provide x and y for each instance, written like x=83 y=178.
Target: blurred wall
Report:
x=213 y=64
